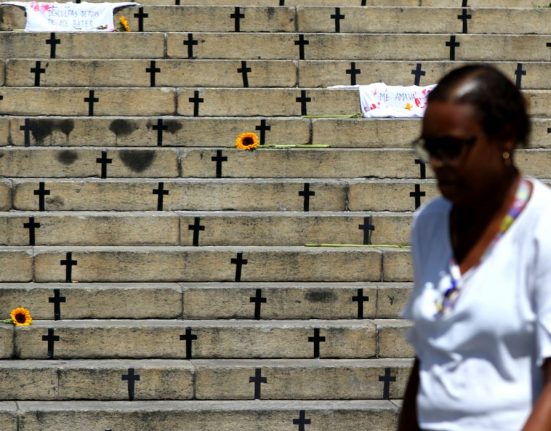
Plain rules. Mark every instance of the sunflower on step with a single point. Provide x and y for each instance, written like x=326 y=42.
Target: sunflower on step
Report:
x=247 y=141
x=19 y=317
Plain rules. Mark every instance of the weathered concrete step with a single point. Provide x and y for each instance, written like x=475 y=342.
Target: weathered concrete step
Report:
x=227 y=194
x=203 y=380
x=222 y=131
x=166 y=264
x=203 y=228
x=214 y=339
x=150 y=73
x=362 y=415
x=206 y=301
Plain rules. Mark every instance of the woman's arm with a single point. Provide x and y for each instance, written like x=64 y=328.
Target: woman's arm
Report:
x=408 y=415
x=540 y=419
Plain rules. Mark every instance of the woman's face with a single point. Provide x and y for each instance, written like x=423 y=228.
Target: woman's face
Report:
x=467 y=163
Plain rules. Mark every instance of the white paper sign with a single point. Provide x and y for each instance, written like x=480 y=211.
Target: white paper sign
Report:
x=381 y=100
x=58 y=17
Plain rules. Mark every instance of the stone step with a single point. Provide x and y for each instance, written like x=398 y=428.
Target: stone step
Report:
x=205 y=301
x=222 y=131
x=363 y=415
x=341 y=3
x=177 y=264
x=204 y=339
x=215 y=194
x=56 y=380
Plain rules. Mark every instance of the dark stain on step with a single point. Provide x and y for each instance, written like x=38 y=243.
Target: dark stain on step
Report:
x=42 y=128
x=67 y=157
x=137 y=160
x=122 y=127
x=173 y=126
x=320 y=296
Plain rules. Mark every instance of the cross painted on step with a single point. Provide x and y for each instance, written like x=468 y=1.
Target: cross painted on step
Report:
x=131 y=378
x=257 y=380
x=196 y=227
x=152 y=70
x=104 y=161
x=219 y=159
x=464 y=3
x=301 y=422
x=519 y=73
x=238 y=262
x=465 y=17
x=51 y=338
x=141 y=15
x=244 y=71
x=160 y=127
x=360 y=299
x=316 y=340
x=91 y=99
x=190 y=42
x=282 y=2
x=32 y=226
x=303 y=100
x=387 y=378
x=417 y=195
x=57 y=299
x=161 y=193
x=337 y=17
x=196 y=100
x=236 y=16
x=353 y=72
x=422 y=168
x=42 y=192
x=68 y=262
x=452 y=44
x=53 y=42
x=258 y=300
x=189 y=338
x=263 y=127
x=26 y=129
x=367 y=227
x=306 y=193
x=301 y=43
x=418 y=72
x=37 y=70
x=364 y=3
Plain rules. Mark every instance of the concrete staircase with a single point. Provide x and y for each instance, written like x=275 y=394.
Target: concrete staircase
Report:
x=180 y=285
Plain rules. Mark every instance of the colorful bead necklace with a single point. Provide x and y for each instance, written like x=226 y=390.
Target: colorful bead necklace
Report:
x=451 y=294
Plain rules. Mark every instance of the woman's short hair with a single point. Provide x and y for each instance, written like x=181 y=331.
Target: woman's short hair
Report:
x=500 y=106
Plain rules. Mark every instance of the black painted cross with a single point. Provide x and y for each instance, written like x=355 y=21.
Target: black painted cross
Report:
x=360 y=299
x=418 y=72
x=68 y=262
x=301 y=42
x=189 y=338
x=159 y=128
x=51 y=338
x=104 y=161
x=417 y=194
x=219 y=159
x=548 y=44
x=337 y=16
x=26 y=129
x=353 y=72
x=244 y=71
x=519 y=73
x=41 y=193
x=236 y=16
x=306 y=193
x=452 y=44
x=387 y=378
x=140 y=15
x=131 y=378
x=238 y=262
x=190 y=42
x=465 y=17
x=196 y=228
x=367 y=228
x=302 y=421
x=152 y=70
x=196 y=100
x=31 y=225
x=364 y=3
x=257 y=380
x=53 y=42
x=263 y=128
x=258 y=300
x=422 y=168
x=57 y=299
x=161 y=193
x=303 y=100
x=316 y=339
x=464 y=3
x=91 y=99
x=37 y=70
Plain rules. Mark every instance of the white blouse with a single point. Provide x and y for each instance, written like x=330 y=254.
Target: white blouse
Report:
x=480 y=362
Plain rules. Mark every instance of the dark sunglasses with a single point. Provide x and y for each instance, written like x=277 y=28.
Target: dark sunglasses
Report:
x=445 y=148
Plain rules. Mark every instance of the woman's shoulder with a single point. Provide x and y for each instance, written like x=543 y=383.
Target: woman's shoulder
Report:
x=436 y=208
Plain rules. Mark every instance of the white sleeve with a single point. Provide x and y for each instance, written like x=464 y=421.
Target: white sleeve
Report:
x=542 y=287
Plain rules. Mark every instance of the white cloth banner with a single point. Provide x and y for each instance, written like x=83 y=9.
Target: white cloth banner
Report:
x=55 y=17
x=381 y=100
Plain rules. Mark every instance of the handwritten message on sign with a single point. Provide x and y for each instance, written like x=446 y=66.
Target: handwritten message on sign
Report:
x=381 y=100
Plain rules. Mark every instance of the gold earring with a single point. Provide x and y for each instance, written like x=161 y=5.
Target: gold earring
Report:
x=506 y=155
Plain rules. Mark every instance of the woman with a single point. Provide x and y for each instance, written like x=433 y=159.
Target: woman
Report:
x=481 y=305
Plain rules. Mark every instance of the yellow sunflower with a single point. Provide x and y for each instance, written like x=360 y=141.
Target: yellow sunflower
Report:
x=21 y=316
x=123 y=24
x=247 y=141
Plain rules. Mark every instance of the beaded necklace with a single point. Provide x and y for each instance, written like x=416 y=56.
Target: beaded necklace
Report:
x=451 y=294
